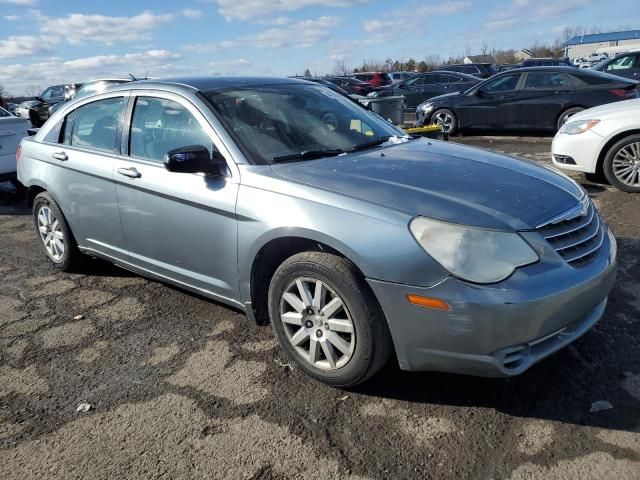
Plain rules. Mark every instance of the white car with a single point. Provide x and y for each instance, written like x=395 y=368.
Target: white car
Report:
x=12 y=130
x=22 y=110
x=603 y=140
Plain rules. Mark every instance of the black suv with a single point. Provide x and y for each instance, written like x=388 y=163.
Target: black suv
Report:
x=623 y=65
x=40 y=112
x=547 y=62
x=482 y=70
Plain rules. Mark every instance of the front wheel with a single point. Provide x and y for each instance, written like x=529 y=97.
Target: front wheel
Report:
x=446 y=119
x=327 y=320
x=622 y=164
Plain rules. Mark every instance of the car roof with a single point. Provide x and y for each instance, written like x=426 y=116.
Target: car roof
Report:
x=205 y=84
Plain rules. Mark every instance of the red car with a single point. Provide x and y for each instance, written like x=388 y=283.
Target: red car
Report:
x=375 y=79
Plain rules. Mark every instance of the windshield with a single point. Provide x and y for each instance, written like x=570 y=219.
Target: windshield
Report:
x=275 y=123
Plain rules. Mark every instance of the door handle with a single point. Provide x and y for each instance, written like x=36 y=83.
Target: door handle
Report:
x=129 y=172
x=60 y=156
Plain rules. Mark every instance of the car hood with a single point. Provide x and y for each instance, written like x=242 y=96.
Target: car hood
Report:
x=444 y=97
x=447 y=182
x=626 y=108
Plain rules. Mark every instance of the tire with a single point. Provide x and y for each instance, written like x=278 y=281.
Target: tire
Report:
x=623 y=159
x=564 y=116
x=57 y=240
x=361 y=353
x=447 y=119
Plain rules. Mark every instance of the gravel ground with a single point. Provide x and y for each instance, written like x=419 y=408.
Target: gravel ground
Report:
x=182 y=387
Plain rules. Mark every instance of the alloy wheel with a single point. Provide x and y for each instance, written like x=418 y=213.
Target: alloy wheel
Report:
x=51 y=234
x=445 y=120
x=317 y=323
x=626 y=164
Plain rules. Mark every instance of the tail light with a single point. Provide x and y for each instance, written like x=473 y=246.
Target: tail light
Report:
x=622 y=92
x=18 y=153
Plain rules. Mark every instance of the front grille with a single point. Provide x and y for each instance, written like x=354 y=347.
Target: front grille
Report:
x=577 y=238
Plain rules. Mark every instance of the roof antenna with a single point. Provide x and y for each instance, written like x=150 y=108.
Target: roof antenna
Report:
x=134 y=78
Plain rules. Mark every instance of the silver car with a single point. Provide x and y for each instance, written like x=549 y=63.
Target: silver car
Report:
x=291 y=202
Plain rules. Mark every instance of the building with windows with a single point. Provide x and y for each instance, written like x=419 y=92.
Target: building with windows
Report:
x=612 y=43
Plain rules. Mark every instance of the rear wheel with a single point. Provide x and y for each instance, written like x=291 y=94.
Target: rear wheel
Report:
x=622 y=164
x=446 y=119
x=54 y=233
x=327 y=320
x=566 y=115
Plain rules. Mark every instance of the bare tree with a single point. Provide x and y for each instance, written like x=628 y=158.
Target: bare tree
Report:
x=33 y=90
x=341 y=69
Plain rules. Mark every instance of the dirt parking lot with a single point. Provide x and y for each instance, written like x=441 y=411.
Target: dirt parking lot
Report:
x=181 y=387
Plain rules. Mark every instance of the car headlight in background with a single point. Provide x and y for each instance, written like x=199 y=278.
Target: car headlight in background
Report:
x=579 y=126
x=474 y=254
x=425 y=107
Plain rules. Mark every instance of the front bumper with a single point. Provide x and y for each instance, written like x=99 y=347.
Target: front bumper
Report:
x=584 y=149
x=498 y=330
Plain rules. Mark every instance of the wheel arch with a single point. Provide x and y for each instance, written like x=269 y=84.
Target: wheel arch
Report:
x=270 y=255
x=610 y=143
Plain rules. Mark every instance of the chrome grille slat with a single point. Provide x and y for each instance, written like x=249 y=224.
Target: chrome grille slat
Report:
x=567 y=227
x=576 y=239
x=589 y=236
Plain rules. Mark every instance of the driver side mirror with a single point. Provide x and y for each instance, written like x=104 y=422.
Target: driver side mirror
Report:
x=480 y=93
x=195 y=159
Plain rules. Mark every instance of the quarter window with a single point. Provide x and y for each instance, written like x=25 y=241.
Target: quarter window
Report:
x=94 y=125
x=161 y=125
x=623 y=63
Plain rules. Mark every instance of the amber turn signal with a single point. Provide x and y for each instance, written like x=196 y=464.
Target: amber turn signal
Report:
x=428 y=302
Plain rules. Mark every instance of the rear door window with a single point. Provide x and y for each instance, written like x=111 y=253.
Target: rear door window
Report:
x=159 y=125
x=547 y=81
x=94 y=125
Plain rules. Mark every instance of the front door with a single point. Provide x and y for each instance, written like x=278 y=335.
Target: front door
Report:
x=492 y=105
x=180 y=226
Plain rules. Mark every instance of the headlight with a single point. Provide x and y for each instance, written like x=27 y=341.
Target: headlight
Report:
x=425 y=107
x=474 y=254
x=579 y=126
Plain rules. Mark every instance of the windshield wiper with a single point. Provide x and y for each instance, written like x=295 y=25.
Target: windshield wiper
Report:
x=308 y=154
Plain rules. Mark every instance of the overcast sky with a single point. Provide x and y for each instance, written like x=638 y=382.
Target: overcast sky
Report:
x=43 y=42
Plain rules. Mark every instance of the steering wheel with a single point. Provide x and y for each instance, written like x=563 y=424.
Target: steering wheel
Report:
x=330 y=121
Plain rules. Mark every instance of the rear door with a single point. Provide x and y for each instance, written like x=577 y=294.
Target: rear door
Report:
x=180 y=226
x=543 y=96
x=81 y=152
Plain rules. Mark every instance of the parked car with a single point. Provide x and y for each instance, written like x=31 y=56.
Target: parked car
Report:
x=11 y=107
x=603 y=141
x=41 y=111
x=326 y=83
x=423 y=86
x=90 y=88
x=507 y=66
x=535 y=98
x=397 y=77
x=625 y=65
x=22 y=110
x=481 y=70
x=286 y=200
x=351 y=85
x=12 y=130
x=547 y=62
x=596 y=57
x=375 y=79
